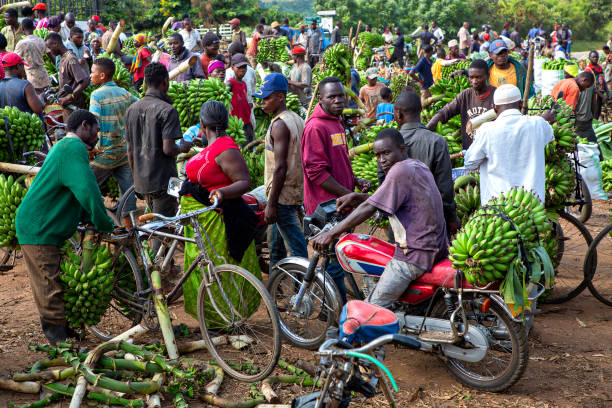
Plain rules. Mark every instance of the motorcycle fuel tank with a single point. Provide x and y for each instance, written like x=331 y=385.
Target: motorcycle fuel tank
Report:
x=364 y=254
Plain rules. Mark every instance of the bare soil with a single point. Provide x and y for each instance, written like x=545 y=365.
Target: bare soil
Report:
x=570 y=353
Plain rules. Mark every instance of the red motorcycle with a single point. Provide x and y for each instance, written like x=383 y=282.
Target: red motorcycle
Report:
x=471 y=329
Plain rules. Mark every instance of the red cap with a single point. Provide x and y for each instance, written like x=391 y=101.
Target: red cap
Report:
x=486 y=37
x=96 y=17
x=234 y=21
x=506 y=25
x=10 y=59
x=298 y=50
x=40 y=6
x=556 y=26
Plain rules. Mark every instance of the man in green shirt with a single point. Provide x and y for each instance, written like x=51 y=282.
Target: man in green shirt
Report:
x=64 y=193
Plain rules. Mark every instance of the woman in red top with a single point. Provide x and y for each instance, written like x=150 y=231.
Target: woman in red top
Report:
x=220 y=167
x=141 y=60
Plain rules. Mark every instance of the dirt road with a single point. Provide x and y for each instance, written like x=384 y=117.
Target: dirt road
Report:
x=570 y=354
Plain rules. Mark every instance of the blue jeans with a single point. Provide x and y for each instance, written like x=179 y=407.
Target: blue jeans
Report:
x=123 y=175
x=286 y=233
x=337 y=274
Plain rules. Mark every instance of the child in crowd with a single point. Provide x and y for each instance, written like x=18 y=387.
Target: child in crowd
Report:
x=240 y=104
x=216 y=69
x=384 y=110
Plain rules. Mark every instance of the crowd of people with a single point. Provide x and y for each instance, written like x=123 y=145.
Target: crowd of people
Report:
x=306 y=161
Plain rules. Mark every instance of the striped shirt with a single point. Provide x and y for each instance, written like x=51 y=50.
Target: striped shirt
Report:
x=110 y=103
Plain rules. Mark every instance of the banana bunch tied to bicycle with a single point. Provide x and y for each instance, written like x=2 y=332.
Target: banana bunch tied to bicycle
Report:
x=19 y=132
x=488 y=247
x=467 y=196
x=11 y=195
x=86 y=293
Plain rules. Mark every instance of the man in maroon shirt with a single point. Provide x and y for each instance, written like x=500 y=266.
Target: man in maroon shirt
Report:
x=411 y=199
x=325 y=160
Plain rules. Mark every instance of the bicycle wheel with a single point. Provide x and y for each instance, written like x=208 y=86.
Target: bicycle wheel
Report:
x=573 y=240
x=582 y=214
x=319 y=309
x=599 y=274
x=239 y=323
x=123 y=312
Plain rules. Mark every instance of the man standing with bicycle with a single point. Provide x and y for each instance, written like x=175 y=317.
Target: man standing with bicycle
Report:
x=109 y=103
x=63 y=194
x=152 y=127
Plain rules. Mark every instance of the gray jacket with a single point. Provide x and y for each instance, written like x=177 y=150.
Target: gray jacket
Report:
x=431 y=149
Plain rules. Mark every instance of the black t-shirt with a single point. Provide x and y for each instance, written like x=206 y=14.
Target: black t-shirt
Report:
x=426 y=37
x=148 y=122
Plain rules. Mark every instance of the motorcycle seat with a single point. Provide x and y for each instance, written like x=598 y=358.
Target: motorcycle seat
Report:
x=363 y=322
x=442 y=274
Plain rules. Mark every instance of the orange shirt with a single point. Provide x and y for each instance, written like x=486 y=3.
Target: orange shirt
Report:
x=570 y=90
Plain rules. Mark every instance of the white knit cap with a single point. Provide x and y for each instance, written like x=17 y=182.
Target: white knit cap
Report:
x=506 y=94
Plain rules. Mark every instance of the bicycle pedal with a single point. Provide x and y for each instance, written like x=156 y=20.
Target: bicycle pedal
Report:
x=437 y=336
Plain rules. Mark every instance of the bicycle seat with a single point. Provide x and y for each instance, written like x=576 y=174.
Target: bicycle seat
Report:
x=363 y=322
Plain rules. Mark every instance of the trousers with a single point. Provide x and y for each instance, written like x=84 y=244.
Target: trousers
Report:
x=286 y=233
x=123 y=175
x=43 y=263
x=394 y=281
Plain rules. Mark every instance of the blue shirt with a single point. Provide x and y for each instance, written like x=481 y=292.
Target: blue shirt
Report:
x=533 y=33
x=384 y=111
x=423 y=70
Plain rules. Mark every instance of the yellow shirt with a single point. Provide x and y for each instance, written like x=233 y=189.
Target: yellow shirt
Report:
x=436 y=70
x=498 y=77
x=12 y=37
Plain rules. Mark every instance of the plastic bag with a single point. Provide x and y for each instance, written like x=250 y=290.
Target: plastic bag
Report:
x=550 y=79
x=590 y=170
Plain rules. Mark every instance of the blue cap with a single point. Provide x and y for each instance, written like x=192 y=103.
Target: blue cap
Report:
x=272 y=82
x=498 y=46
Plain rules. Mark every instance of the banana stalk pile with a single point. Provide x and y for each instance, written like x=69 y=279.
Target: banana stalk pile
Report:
x=86 y=292
x=20 y=132
x=560 y=173
x=449 y=69
x=487 y=248
x=11 y=195
x=188 y=99
x=365 y=42
x=273 y=49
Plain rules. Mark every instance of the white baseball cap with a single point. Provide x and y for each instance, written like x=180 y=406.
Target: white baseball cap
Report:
x=452 y=43
x=506 y=94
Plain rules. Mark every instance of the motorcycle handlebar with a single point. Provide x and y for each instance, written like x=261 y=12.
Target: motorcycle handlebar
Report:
x=401 y=339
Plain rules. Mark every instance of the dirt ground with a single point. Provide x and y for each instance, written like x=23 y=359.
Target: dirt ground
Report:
x=570 y=354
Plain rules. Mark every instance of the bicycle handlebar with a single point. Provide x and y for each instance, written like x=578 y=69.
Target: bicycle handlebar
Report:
x=402 y=339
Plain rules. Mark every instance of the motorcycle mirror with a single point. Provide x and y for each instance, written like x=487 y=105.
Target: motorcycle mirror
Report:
x=174 y=186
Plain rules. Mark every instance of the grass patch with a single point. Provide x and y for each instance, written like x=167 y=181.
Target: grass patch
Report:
x=583 y=45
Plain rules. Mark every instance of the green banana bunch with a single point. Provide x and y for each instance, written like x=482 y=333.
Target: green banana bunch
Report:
x=398 y=82
x=365 y=167
x=449 y=69
x=235 y=129
x=11 y=195
x=487 y=244
x=273 y=49
x=188 y=99
x=293 y=103
x=370 y=133
x=49 y=65
x=41 y=32
x=338 y=61
x=556 y=65
x=255 y=161
x=606 y=179
x=110 y=188
x=86 y=293
x=128 y=47
x=365 y=42
x=468 y=201
x=25 y=131
x=563 y=128
x=560 y=181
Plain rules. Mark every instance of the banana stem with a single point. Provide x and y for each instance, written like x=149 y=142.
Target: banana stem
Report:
x=225 y=403
x=105 y=399
x=163 y=317
x=292 y=369
x=27 y=387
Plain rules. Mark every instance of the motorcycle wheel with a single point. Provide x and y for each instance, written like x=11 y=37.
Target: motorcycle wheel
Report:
x=508 y=352
x=320 y=305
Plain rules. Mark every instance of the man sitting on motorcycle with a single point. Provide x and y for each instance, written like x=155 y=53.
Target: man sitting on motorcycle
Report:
x=410 y=197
